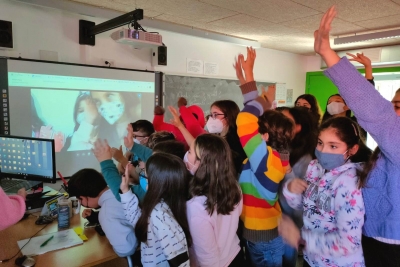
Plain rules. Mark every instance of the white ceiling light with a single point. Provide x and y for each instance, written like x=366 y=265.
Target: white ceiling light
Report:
x=367 y=37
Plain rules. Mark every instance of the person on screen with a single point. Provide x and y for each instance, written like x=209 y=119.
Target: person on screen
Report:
x=86 y=120
x=118 y=109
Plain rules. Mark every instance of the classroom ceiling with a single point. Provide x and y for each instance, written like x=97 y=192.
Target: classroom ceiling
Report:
x=286 y=25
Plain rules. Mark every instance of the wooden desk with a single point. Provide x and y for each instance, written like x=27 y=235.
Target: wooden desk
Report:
x=94 y=251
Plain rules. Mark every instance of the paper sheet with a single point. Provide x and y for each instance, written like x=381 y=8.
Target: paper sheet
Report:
x=61 y=239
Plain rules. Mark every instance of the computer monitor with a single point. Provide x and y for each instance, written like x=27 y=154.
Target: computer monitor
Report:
x=27 y=158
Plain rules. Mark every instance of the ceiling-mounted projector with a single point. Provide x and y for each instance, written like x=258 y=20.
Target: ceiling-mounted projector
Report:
x=137 y=38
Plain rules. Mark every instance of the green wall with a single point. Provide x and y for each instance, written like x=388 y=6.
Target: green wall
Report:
x=322 y=88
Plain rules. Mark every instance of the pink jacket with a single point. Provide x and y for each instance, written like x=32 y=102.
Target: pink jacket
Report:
x=12 y=209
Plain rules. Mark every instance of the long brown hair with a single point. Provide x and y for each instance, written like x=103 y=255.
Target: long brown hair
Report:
x=230 y=110
x=168 y=181
x=215 y=177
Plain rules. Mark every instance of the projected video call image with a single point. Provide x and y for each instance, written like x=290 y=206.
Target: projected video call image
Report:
x=76 y=119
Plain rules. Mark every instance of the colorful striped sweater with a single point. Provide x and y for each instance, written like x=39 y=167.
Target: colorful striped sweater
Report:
x=262 y=172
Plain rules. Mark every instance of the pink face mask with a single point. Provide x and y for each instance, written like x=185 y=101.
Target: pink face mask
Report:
x=193 y=168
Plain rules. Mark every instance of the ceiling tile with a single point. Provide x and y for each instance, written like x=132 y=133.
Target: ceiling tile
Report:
x=355 y=10
x=187 y=9
x=381 y=23
x=271 y=10
x=251 y=28
x=310 y=24
x=300 y=43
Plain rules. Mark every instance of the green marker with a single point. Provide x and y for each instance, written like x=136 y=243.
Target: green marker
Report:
x=47 y=241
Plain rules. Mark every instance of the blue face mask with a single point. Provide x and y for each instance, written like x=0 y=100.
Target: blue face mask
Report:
x=330 y=161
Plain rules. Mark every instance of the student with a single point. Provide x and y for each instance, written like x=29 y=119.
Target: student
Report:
x=142 y=130
x=310 y=102
x=302 y=148
x=265 y=137
x=158 y=137
x=213 y=227
x=89 y=186
x=12 y=208
x=332 y=203
x=222 y=121
x=162 y=228
x=381 y=231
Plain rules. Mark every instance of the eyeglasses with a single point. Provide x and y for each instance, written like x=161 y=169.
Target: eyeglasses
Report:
x=215 y=115
x=143 y=136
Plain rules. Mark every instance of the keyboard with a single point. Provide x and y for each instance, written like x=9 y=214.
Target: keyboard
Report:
x=8 y=184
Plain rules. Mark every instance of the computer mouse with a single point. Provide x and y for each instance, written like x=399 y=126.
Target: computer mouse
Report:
x=44 y=219
x=25 y=261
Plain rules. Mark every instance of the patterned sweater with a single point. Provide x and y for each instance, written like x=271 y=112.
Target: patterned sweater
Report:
x=262 y=171
x=333 y=216
x=165 y=237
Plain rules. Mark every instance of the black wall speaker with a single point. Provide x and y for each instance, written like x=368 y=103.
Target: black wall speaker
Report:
x=6 y=37
x=160 y=56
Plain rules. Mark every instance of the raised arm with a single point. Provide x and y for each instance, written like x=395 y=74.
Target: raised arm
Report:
x=374 y=113
x=102 y=152
x=160 y=125
x=178 y=124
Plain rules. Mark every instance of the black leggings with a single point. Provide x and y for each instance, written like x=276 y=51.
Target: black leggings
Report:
x=379 y=254
x=305 y=264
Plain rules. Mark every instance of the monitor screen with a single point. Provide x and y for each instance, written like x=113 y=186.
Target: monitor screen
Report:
x=27 y=158
x=75 y=105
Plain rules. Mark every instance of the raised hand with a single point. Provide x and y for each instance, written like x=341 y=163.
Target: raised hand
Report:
x=125 y=179
x=297 y=186
x=117 y=153
x=321 y=38
x=289 y=231
x=248 y=64
x=360 y=58
x=176 y=121
x=102 y=150
x=238 y=68
x=269 y=94
x=128 y=140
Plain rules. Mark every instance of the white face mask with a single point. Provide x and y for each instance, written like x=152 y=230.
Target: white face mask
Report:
x=214 y=125
x=193 y=168
x=111 y=111
x=80 y=117
x=335 y=108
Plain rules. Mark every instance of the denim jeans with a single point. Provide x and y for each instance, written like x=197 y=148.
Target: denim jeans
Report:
x=266 y=254
x=290 y=256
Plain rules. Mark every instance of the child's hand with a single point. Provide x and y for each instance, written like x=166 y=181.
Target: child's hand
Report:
x=117 y=154
x=238 y=68
x=176 y=121
x=297 y=186
x=360 y=58
x=86 y=213
x=248 y=64
x=269 y=94
x=125 y=179
x=102 y=150
x=289 y=231
x=22 y=192
x=128 y=140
